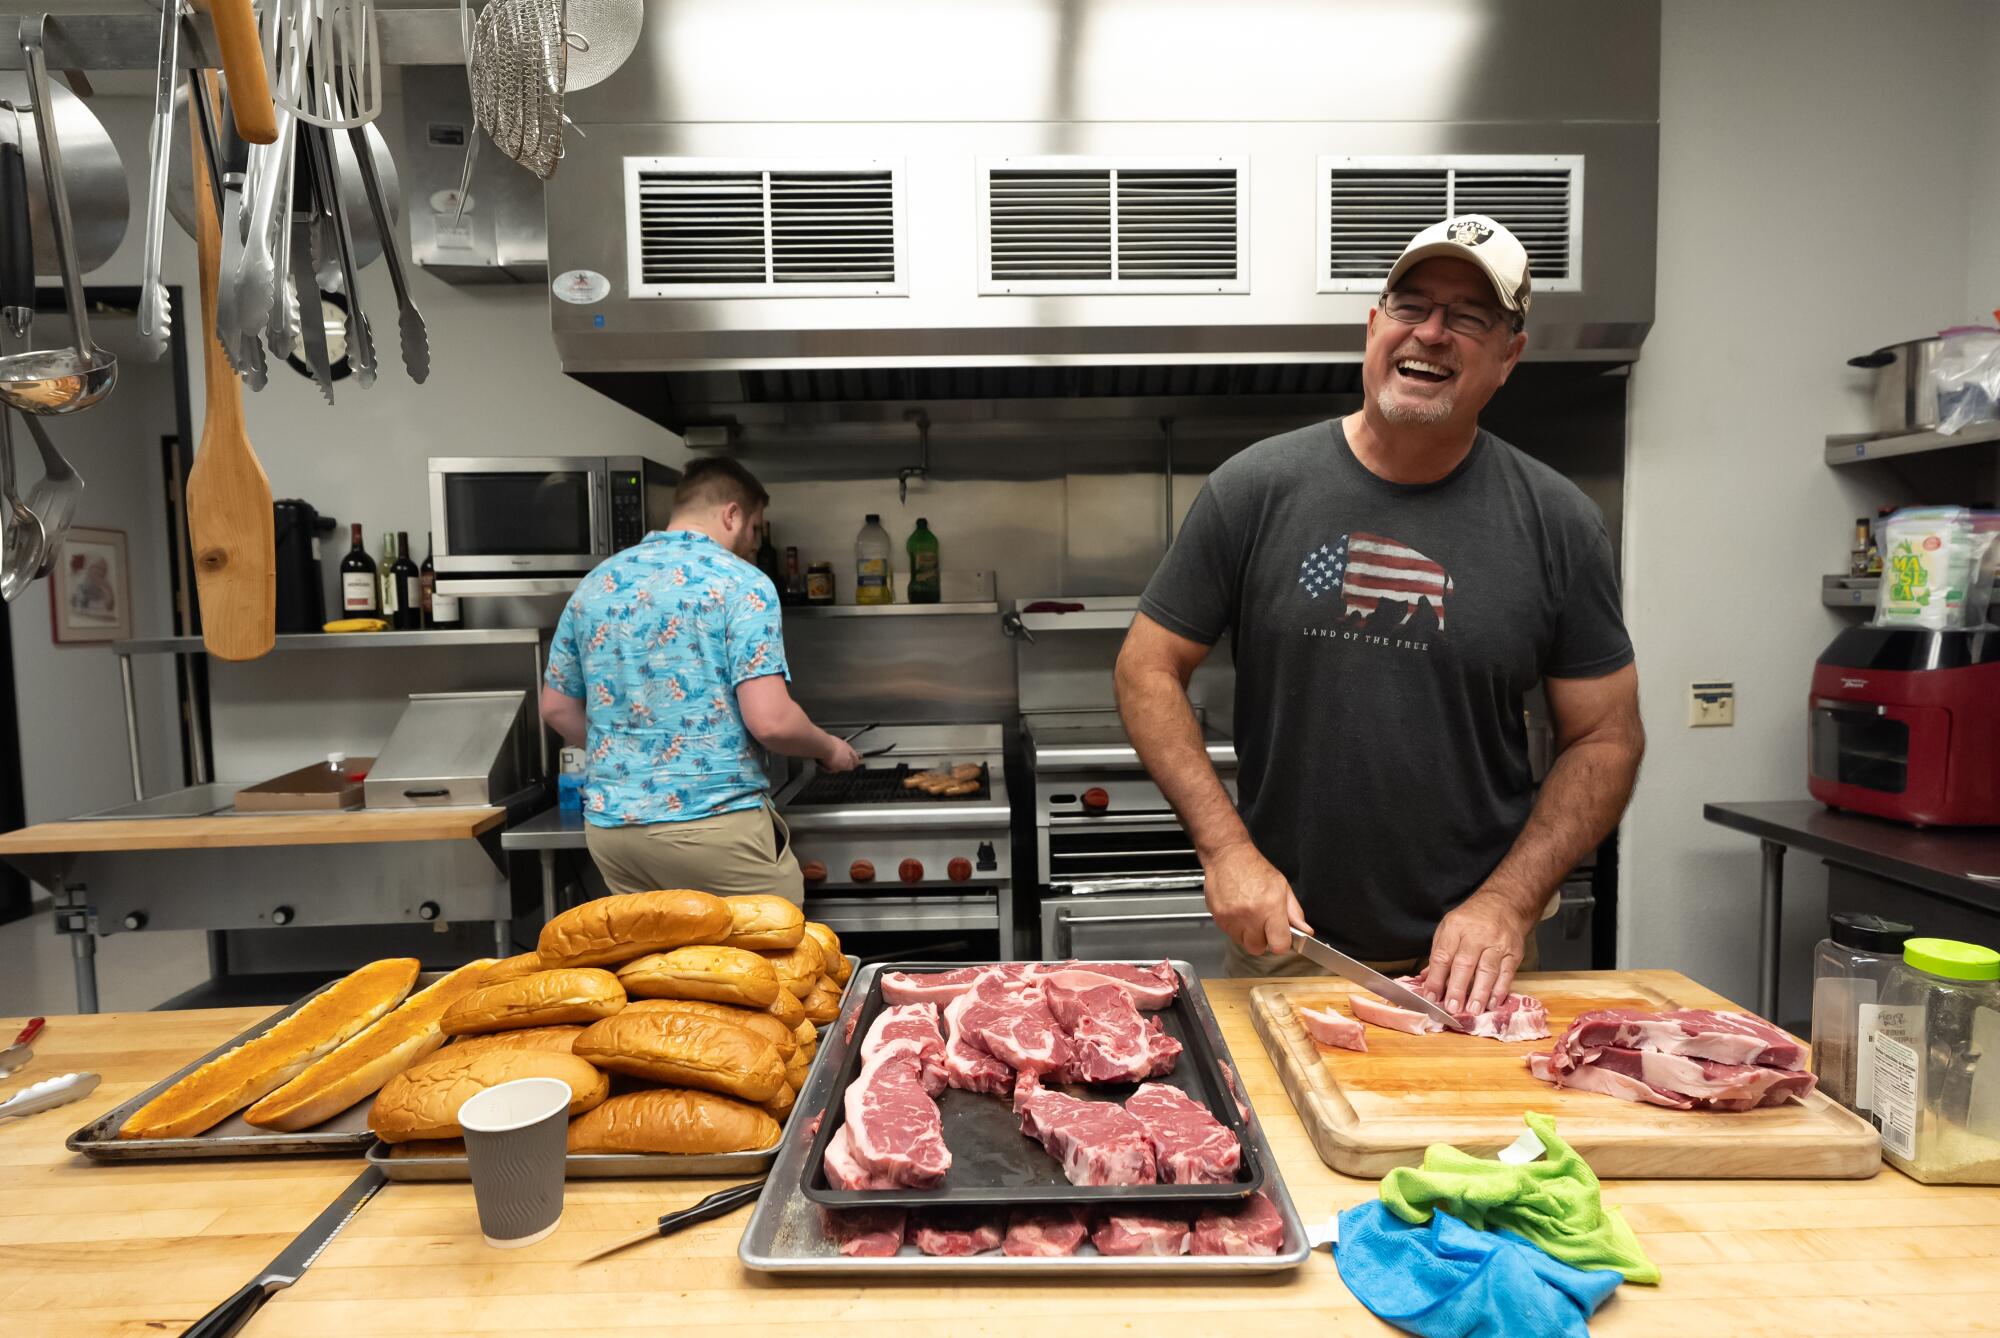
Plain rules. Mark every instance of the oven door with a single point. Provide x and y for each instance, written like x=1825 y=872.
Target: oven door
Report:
x=492 y=515
x=1155 y=918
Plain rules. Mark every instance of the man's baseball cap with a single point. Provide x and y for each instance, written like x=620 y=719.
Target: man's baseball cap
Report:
x=1477 y=238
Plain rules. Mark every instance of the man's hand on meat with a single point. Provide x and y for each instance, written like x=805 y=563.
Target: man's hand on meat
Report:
x=1476 y=951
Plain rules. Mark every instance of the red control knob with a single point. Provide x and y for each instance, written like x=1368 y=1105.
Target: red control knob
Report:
x=911 y=871
x=1096 y=799
x=814 y=871
x=861 y=871
x=959 y=870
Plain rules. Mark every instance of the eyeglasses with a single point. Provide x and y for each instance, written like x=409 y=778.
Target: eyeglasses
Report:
x=1466 y=318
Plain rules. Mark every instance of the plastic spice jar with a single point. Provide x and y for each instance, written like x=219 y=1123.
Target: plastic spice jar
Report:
x=1850 y=966
x=1936 y=1042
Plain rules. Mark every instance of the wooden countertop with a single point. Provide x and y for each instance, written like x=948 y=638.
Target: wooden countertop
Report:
x=351 y=827
x=138 y=1248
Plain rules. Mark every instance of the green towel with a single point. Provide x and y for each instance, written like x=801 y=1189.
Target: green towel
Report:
x=1554 y=1202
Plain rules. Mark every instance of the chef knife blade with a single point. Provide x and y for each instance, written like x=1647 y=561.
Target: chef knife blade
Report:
x=292 y=1261
x=1366 y=976
x=715 y=1205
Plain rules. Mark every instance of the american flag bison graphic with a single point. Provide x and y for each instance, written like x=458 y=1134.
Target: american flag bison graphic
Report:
x=1377 y=580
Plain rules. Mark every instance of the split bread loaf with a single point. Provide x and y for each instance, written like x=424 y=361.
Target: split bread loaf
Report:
x=575 y=994
x=772 y=1030
x=611 y=931
x=513 y=968
x=258 y=1067
x=799 y=967
x=359 y=1068
x=834 y=961
x=675 y=1120
x=424 y=1102
x=785 y=1007
x=714 y=974
x=764 y=921
x=823 y=1004
x=686 y=1050
x=558 y=1039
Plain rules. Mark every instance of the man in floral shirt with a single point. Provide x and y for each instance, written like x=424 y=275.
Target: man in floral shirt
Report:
x=668 y=667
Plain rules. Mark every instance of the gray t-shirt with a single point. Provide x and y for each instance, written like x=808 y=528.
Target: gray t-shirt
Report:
x=1384 y=635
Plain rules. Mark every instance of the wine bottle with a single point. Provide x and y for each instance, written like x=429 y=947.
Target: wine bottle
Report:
x=409 y=618
x=767 y=559
x=385 y=578
x=793 y=591
x=440 y=610
x=360 y=597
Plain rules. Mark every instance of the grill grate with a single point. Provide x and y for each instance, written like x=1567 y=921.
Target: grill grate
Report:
x=877 y=785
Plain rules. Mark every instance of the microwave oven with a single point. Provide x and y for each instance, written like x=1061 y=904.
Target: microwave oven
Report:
x=496 y=515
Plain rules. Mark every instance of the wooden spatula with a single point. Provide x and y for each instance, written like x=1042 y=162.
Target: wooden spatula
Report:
x=230 y=524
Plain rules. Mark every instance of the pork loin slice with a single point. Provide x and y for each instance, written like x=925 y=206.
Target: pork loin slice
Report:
x=912 y=1029
x=1150 y=987
x=1675 y=1081
x=1097 y=1142
x=1726 y=1038
x=1044 y=1233
x=1254 y=1228
x=893 y=1125
x=1141 y=1233
x=1331 y=1027
x=869 y=1233
x=956 y=1232
x=1109 y=1041
x=1189 y=1144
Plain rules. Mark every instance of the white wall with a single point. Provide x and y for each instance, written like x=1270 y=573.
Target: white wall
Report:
x=1814 y=175
x=1983 y=222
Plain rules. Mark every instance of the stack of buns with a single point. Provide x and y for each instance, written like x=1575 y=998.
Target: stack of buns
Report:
x=682 y=1022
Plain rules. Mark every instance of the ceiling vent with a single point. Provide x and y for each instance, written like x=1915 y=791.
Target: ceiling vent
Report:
x=715 y=227
x=1369 y=208
x=1098 y=225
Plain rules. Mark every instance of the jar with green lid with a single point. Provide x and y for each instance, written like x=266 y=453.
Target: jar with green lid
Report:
x=1935 y=1037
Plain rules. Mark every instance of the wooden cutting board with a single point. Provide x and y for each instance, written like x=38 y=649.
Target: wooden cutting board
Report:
x=1367 y=1113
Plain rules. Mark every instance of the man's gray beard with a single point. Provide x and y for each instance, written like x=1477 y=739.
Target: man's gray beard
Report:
x=1427 y=414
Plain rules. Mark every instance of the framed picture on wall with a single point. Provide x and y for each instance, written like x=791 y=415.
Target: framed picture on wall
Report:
x=90 y=587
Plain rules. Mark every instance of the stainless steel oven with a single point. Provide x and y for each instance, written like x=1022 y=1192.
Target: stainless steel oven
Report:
x=493 y=515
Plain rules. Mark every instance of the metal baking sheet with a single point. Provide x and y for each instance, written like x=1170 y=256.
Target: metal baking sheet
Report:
x=994 y=1164
x=584 y=1165
x=787 y=1232
x=345 y=1134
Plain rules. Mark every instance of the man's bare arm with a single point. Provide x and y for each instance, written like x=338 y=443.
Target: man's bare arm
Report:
x=564 y=714
x=1599 y=742
x=1250 y=899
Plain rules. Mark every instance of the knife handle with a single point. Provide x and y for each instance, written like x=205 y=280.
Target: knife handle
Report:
x=232 y=1314
x=35 y=1024
x=715 y=1205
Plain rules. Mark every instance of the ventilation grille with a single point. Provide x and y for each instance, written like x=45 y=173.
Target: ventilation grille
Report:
x=1070 y=225
x=701 y=228
x=1371 y=208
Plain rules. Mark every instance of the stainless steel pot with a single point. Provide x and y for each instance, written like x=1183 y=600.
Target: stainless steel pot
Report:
x=94 y=175
x=1905 y=393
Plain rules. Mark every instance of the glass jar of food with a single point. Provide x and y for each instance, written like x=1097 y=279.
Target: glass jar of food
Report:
x=1849 y=968
x=819 y=583
x=1936 y=1042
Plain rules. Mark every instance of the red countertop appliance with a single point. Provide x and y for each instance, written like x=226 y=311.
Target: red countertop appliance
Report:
x=1905 y=724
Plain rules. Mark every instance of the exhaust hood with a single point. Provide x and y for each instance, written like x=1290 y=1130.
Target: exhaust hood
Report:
x=778 y=201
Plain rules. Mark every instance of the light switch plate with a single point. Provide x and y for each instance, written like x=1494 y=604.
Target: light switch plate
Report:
x=1711 y=703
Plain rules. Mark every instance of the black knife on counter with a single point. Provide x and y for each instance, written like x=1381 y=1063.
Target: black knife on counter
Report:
x=291 y=1262
x=715 y=1205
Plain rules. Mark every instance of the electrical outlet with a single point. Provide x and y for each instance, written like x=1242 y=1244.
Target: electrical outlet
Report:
x=1711 y=704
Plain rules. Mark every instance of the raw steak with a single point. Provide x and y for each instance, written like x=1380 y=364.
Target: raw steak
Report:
x=1149 y=986
x=1330 y=1027
x=1679 y=1082
x=1009 y=1019
x=941 y=987
x=1727 y=1038
x=893 y=1123
x=968 y=1064
x=1044 y=1232
x=955 y=1231
x=1190 y=1145
x=1514 y=1017
x=913 y=1029
x=845 y=1171
x=1136 y=1233
x=873 y=1233
x=1096 y=1141
x=1379 y=1013
x=1109 y=1041
x=1255 y=1228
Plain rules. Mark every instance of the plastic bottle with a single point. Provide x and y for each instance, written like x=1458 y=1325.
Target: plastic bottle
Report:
x=871 y=564
x=1850 y=966
x=1934 y=1033
x=569 y=781
x=923 y=547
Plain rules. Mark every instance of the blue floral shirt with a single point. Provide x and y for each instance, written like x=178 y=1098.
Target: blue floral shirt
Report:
x=655 y=641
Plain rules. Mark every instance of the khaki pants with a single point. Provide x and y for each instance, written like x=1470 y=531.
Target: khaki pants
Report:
x=1241 y=963
x=731 y=854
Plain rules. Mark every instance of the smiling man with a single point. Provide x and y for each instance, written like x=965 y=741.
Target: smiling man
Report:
x=1393 y=584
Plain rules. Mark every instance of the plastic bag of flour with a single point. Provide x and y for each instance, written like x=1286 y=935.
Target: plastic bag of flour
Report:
x=1936 y=570
x=1967 y=377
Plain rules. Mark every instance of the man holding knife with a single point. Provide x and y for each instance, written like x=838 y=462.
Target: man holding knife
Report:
x=1393 y=583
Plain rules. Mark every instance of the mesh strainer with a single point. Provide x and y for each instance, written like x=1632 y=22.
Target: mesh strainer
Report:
x=602 y=35
x=518 y=70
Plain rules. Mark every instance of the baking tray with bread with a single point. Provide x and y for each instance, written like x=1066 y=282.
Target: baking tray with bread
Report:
x=685 y=1025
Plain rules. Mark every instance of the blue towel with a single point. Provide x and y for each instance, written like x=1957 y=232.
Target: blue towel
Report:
x=1442 y=1279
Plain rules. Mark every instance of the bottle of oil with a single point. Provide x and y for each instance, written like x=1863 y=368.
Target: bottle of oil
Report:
x=871 y=564
x=923 y=548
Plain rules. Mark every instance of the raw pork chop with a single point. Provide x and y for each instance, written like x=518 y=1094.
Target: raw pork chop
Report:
x=1150 y=986
x=873 y=1233
x=1254 y=1228
x=1678 y=1082
x=845 y=1171
x=1191 y=1146
x=1380 y=1013
x=1009 y=1019
x=1727 y=1038
x=1329 y=1027
x=1109 y=1041
x=1044 y=1232
x=955 y=1231
x=913 y=1029
x=1096 y=1141
x=968 y=1064
x=941 y=987
x=1137 y=1233
x=1515 y=1017
x=893 y=1125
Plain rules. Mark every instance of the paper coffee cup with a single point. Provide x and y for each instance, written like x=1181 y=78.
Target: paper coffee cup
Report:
x=516 y=1140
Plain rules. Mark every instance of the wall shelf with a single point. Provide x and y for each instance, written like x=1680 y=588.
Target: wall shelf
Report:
x=474 y=636
x=1859 y=448
x=890 y=610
